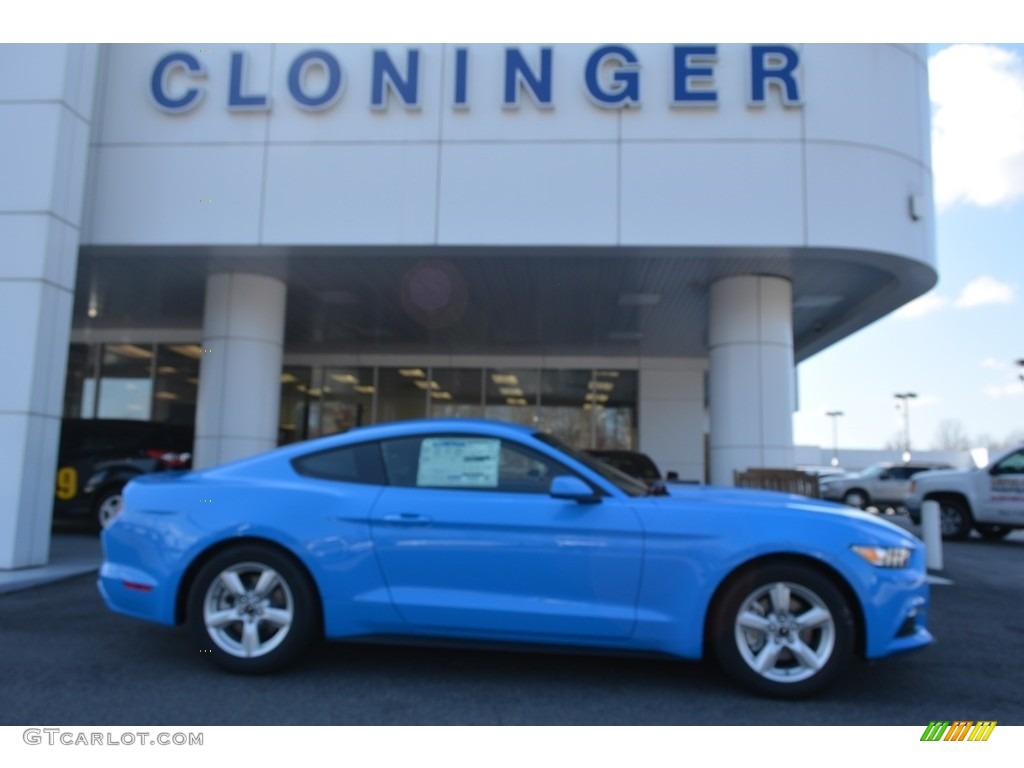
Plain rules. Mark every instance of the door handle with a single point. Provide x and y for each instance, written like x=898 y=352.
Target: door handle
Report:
x=408 y=518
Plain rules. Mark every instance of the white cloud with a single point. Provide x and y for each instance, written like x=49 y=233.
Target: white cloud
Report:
x=1011 y=389
x=985 y=289
x=925 y=401
x=925 y=305
x=995 y=364
x=977 y=94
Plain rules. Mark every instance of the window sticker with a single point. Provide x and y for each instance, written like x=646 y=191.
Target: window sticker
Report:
x=458 y=462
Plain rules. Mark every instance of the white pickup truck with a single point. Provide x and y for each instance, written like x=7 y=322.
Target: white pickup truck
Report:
x=990 y=500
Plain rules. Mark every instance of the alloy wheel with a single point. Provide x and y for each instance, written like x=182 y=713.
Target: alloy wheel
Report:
x=785 y=632
x=248 y=610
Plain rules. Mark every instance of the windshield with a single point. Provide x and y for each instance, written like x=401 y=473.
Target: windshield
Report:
x=619 y=479
x=874 y=470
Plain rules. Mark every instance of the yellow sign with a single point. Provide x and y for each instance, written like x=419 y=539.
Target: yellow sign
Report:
x=67 y=483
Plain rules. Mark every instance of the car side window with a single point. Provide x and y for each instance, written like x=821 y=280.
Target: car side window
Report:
x=468 y=462
x=348 y=464
x=1012 y=464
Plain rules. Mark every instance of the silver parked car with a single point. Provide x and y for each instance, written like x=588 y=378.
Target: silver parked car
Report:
x=881 y=485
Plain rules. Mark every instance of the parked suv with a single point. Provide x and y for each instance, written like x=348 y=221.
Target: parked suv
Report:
x=880 y=485
x=990 y=500
x=97 y=457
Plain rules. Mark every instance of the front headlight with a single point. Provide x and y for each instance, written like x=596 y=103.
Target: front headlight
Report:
x=884 y=557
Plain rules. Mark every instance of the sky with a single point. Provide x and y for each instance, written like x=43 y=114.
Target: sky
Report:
x=955 y=347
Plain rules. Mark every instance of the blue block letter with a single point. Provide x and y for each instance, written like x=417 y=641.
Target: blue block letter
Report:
x=774 y=64
x=625 y=89
x=162 y=73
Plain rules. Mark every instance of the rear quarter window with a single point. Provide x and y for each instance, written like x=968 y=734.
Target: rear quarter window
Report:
x=348 y=464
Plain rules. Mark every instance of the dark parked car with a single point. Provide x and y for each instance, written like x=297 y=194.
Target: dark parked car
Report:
x=641 y=467
x=633 y=463
x=98 y=456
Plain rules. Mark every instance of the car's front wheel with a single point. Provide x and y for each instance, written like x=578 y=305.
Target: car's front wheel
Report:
x=253 y=609
x=783 y=629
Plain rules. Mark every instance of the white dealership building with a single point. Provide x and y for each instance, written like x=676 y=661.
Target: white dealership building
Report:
x=629 y=245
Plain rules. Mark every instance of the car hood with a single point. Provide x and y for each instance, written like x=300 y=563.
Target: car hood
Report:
x=768 y=507
x=939 y=475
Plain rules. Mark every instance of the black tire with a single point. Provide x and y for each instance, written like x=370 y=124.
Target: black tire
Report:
x=108 y=505
x=804 y=660
x=265 y=621
x=954 y=519
x=855 y=497
x=993 y=532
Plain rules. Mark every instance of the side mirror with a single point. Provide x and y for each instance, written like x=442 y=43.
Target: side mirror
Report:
x=572 y=489
x=885 y=475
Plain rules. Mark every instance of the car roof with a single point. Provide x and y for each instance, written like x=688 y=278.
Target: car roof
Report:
x=419 y=426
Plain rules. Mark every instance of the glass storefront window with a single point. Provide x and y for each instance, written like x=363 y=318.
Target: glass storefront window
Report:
x=126 y=383
x=296 y=404
x=587 y=408
x=80 y=384
x=346 y=399
x=402 y=393
x=177 y=383
x=512 y=395
x=456 y=392
x=590 y=408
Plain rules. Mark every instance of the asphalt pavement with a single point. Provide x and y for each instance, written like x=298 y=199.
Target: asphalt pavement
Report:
x=65 y=659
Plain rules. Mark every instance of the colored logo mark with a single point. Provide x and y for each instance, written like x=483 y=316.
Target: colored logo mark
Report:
x=959 y=730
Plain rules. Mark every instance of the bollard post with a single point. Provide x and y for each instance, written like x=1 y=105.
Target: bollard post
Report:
x=931 y=529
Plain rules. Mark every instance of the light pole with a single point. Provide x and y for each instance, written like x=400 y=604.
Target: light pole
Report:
x=834 y=415
x=1021 y=364
x=905 y=398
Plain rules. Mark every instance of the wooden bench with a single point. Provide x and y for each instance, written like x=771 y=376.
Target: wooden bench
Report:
x=785 y=480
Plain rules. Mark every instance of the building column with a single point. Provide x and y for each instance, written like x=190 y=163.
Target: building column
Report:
x=671 y=414
x=237 y=413
x=751 y=378
x=46 y=107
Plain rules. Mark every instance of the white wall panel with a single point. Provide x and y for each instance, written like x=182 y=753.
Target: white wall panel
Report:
x=711 y=194
x=41 y=72
x=864 y=94
x=870 y=209
x=369 y=193
x=24 y=238
x=155 y=195
x=528 y=194
x=131 y=116
x=27 y=155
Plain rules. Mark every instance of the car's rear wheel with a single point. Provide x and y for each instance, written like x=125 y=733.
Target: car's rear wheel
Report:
x=253 y=609
x=109 y=505
x=955 y=520
x=856 y=498
x=993 y=531
x=783 y=629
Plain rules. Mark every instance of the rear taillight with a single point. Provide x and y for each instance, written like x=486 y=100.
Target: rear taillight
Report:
x=170 y=458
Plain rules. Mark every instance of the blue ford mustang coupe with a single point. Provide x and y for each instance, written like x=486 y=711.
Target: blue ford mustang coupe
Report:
x=485 y=531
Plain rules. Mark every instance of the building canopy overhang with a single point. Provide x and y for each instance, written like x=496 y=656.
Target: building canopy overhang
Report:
x=614 y=301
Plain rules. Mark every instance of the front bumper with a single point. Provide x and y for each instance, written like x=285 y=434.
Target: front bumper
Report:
x=896 y=613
